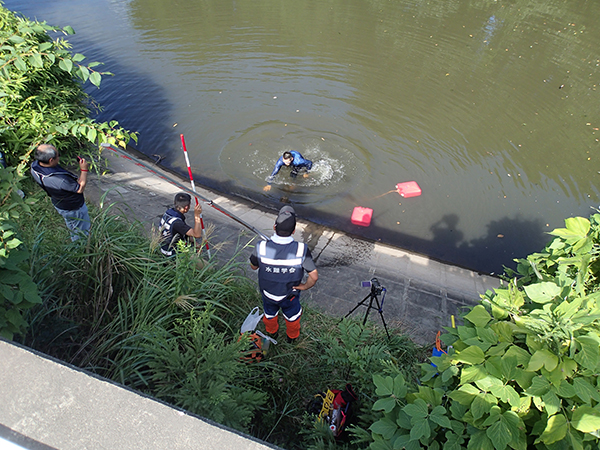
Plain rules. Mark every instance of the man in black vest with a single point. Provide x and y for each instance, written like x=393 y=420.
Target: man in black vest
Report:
x=173 y=227
x=64 y=188
x=281 y=262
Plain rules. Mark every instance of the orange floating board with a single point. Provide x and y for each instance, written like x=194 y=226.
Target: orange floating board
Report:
x=362 y=216
x=408 y=189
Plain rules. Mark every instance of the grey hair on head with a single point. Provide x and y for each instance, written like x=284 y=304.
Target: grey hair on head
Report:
x=45 y=152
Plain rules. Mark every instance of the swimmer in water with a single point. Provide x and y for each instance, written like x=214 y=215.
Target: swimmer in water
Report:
x=291 y=158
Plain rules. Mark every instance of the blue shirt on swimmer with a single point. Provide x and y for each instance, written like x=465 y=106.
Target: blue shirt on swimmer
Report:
x=299 y=162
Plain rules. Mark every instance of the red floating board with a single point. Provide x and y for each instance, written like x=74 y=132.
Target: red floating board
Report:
x=408 y=189
x=362 y=216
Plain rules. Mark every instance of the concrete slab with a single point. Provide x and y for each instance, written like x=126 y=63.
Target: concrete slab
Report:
x=48 y=404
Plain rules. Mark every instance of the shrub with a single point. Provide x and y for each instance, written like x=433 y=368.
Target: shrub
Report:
x=42 y=99
x=521 y=372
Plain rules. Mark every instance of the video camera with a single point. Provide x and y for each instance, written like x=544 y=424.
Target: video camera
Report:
x=374 y=284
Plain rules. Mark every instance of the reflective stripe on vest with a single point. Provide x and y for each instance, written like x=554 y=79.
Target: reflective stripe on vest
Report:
x=166 y=230
x=278 y=275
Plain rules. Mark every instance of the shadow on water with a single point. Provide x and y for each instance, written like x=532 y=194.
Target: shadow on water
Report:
x=138 y=104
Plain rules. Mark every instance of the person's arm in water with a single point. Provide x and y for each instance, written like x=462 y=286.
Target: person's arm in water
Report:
x=197 y=230
x=278 y=165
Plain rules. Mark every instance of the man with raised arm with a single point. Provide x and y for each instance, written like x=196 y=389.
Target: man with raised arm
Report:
x=173 y=227
x=64 y=188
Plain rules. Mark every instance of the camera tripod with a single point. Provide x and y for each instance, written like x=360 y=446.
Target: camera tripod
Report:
x=373 y=296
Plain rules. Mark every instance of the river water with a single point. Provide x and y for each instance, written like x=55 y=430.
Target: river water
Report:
x=492 y=107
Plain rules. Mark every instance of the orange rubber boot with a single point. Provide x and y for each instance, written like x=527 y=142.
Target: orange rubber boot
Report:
x=293 y=328
x=271 y=325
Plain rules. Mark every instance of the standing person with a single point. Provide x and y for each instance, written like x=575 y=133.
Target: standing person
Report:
x=173 y=227
x=291 y=158
x=281 y=262
x=64 y=188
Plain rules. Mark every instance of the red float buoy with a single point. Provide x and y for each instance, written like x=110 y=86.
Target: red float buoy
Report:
x=362 y=216
x=408 y=189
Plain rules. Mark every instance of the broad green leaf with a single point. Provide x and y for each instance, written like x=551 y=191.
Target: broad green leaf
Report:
x=450 y=372
x=507 y=394
x=579 y=225
x=91 y=135
x=36 y=61
x=509 y=368
x=555 y=430
x=576 y=228
x=472 y=373
x=385 y=404
x=401 y=441
x=585 y=391
x=95 y=79
x=543 y=292
x=441 y=420
x=565 y=390
x=464 y=394
x=551 y=403
x=15 y=39
x=68 y=30
x=575 y=439
x=403 y=420
x=586 y=419
x=487 y=335
x=66 y=65
x=45 y=46
x=524 y=406
x=78 y=57
x=588 y=356
x=542 y=358
x=470 y=355
x=478 y=316
x=385 y=427
x=384 y=386
x=488 y=383
x=503 y=331
x=480 y=441
x=499 y=434
x=417 y=409
x=20 y=64
x=521 y=355
x=539 y=386
x=420 y=429
x=431 y=396
x=400 y=389
x=482 y=403
x=83 y=73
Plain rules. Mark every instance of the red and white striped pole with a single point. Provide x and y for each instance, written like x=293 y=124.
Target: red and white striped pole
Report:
x=189 y=167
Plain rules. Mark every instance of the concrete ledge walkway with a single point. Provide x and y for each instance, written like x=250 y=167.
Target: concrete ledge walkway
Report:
x=46 y=404
x=421 y=295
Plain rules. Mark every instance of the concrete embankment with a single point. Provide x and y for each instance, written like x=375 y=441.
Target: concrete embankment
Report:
x=421 y=294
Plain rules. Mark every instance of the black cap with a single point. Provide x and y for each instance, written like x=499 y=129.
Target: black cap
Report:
x=286 y=221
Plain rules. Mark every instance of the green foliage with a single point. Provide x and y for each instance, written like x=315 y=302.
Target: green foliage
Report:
x=522 y=371
x=41 y=98
x=18 y=292
x=194 y=366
